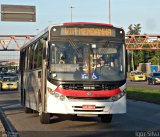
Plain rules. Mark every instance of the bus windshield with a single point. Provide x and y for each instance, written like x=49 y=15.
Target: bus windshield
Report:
x=72 y=60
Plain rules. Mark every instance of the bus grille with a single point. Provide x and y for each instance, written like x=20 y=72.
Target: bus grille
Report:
x=82 y=99
x=89 y=86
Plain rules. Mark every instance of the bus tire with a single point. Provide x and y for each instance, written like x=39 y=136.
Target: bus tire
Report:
x=22 y=97
x=107 y=118
x=28 y=110
x=45 y=118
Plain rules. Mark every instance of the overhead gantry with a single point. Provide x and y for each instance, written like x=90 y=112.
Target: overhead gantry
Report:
x=143 y=42
x=133 y=42
x=13 y=42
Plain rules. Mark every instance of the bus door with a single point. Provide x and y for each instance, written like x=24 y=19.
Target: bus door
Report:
x=43 y=73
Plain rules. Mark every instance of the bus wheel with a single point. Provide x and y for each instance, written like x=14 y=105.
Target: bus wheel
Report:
x=106 y=118
x=45 y=118
x=28 y=110
x=23 y=96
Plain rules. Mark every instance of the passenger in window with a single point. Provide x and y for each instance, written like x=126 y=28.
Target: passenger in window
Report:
x=101 y=62
x=103 y=68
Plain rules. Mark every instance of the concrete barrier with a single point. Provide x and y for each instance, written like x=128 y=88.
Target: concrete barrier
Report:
x=2 y=130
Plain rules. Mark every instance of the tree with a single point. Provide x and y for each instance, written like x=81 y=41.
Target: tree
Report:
x=142 y=56
x=135 y=29
x=131 y=31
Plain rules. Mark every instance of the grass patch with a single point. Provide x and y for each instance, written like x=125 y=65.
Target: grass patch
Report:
x=143 y=94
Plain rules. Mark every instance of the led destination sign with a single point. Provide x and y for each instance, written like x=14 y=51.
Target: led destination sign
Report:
x=87 y=31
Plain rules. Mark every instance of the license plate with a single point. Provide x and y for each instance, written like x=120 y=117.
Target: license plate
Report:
x=88 y=107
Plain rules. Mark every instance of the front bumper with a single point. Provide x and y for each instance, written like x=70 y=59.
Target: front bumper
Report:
x=75 y=106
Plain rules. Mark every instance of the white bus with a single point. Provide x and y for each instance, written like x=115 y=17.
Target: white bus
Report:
x=61 y=71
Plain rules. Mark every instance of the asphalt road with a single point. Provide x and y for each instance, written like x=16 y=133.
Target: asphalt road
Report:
x=142 y=84
x=141 y=119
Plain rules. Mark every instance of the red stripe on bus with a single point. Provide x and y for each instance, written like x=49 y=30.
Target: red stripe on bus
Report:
x=84 y=93
x=86 y=23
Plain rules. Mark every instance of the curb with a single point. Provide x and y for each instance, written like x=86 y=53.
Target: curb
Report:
x=6 y=127
x=2 y=130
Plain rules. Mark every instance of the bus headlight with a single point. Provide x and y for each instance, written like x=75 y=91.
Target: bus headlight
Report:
x=114 y=98
x=118 y=96
x=56 y=94
x=52 y=92
x=62 y=97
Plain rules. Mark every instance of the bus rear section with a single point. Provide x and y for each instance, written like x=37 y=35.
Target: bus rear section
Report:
x=83 y=72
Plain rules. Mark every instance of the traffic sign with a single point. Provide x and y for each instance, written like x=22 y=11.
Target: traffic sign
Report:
x=21 y=13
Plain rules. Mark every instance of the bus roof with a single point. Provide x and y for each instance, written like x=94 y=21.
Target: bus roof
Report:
x=86 y=23
x=65 y=24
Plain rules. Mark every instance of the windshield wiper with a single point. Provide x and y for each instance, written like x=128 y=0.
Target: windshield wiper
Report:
x=73 y=44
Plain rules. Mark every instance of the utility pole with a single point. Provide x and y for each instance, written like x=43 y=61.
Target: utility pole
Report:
x=71 y=12
x=109 y=11
x=132 y=61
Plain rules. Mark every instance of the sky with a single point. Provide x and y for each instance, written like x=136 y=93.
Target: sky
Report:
x=123 y=13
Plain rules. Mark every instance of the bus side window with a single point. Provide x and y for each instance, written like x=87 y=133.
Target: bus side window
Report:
x=27 y=59
x=31 y=58
x=22 y=62
x=40 y=48
x=35 y=56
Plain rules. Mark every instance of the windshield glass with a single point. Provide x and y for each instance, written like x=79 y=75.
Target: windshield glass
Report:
x=9 y=79
x=156 y=74
x=98 y=61
x=138 y=73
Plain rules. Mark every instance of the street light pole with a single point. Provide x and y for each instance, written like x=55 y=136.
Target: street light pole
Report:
x=71 y=12
x=132 y=61
x=109 y=11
